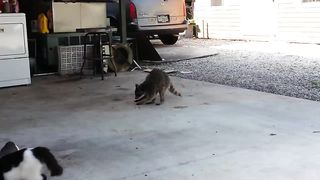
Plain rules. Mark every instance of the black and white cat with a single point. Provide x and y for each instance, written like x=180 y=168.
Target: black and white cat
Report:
x=26 y=164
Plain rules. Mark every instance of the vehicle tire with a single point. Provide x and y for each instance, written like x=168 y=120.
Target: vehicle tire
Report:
x=169 y=39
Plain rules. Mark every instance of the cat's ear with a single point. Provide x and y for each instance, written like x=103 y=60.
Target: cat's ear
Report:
x=137 y=85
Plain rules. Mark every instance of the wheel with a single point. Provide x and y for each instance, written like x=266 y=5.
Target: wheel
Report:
x=169 y=39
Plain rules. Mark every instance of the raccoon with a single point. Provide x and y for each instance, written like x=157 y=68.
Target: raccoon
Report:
x=156 y=82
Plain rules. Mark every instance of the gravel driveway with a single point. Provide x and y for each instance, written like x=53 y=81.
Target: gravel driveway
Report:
x=260 y=66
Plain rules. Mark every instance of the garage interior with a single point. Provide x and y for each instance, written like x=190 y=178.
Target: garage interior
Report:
x=213 y=131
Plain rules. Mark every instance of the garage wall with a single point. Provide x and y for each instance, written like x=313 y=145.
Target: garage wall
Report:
x=294 y=20
x=298 y=21
x=223 y=21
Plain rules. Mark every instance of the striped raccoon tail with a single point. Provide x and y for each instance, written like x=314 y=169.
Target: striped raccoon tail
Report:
x=45 y=156
x=174 y=91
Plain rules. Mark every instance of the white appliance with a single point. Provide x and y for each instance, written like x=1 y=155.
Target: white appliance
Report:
x=14 y=56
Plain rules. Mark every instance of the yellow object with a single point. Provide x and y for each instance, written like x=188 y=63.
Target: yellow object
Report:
x=43 y=24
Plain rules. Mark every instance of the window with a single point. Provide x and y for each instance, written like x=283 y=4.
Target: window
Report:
x=310 y=0
x=216 y=2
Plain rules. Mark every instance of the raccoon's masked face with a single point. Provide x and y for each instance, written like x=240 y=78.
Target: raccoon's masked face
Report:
x=138 y=92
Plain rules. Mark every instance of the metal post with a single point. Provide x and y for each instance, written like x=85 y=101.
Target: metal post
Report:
x=207 y=30
x=203 y=29
x=123 y=17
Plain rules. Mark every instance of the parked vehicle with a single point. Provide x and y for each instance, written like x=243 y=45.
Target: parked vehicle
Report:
x=164 y=18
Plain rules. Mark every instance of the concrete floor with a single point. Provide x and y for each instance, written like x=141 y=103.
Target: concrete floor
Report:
x=212 y=132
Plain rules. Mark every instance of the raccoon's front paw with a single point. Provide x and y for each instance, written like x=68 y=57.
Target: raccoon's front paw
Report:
x=152 y=101
x=139 y=103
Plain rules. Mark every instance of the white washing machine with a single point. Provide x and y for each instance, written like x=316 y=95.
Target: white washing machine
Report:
x=14 y=55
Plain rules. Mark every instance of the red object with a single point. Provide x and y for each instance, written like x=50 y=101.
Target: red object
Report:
x=133 y=11
x=16 y=7
x=1 y=5
x=184 y=9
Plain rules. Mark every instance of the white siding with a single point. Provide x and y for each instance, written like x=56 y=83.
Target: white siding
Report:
x=294 y=20
x=298 y=21
x=223 y=21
